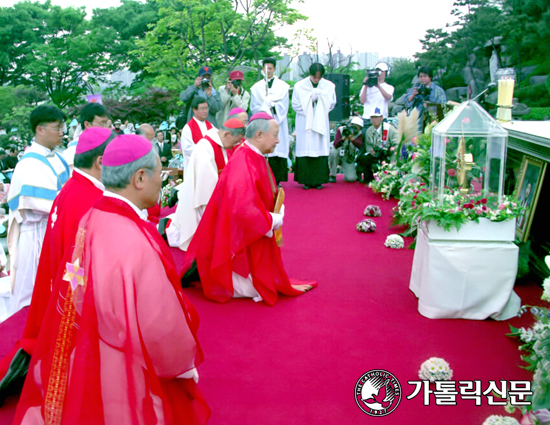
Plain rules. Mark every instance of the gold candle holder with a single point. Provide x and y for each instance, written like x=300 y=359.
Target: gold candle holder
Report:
x=506 y=78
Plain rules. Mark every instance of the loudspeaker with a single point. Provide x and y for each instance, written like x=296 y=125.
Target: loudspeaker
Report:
x=342 y=109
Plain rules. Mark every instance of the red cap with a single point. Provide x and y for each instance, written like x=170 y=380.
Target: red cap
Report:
x=260 y=116
x=93 y=137
x=236 y=75
x=125 y=149
x=233 y=123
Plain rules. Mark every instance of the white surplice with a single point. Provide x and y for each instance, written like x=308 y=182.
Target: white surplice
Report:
x=187 y=143
x=312 y=123
x=276 y=97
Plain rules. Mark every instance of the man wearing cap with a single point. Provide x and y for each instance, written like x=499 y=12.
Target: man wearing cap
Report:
x=201 y=176
x=378 y=96
x=122 y=339
x=270 y=95
x=233 y=249
x=36 y=181
x=118 y=130
x=202 y=87
x=195 y=129
x=76 y=197
x=232 y=95
x=380 y=137
x=313 y=98
x=346 y=142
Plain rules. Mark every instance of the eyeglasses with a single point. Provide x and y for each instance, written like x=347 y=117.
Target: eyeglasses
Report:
x=203 y=108
x=103 y=124
x=55 y=128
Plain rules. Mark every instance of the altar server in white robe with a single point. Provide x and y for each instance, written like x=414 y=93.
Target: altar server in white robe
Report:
x=270 y=95
x=206 y=163
x=37 y=179
x=313 y=99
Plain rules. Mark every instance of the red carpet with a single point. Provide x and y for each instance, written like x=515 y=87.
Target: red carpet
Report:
x=298 y=362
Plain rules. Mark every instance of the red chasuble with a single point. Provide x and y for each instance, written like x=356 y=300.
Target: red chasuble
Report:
x=196 y=130
x=75 y=199
x=119 y=335
x=231 y=234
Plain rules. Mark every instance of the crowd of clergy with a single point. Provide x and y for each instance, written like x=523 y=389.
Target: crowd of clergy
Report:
x=110 y=337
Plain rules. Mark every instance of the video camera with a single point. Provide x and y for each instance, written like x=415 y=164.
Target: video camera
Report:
x=372 y=75
x=205 y=83
x=423 y=90
x=236 y=83
x=348 y=130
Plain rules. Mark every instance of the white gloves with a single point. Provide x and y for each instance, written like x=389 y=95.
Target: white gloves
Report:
x=315 y=95
x=277 y=222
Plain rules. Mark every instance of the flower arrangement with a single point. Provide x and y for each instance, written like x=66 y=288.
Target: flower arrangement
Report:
x=166 y=191
x=454 y=210
x=387 y=180
x=500 y=420
x=435 y=369
x=536 y=342
x=372 y=211
x=394 y=241
x=366 y=226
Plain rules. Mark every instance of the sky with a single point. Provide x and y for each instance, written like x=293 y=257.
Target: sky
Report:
x=387 y=27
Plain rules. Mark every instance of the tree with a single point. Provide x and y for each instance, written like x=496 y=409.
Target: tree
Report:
x=220 y=33
x=127 y=23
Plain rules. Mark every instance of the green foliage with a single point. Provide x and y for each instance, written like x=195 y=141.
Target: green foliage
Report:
x=222 y=34
x=536 y=95
x=538 y=114
x=18 y=118
x=402 y=73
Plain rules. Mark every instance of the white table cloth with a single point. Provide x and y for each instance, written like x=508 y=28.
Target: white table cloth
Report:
x=463 y=279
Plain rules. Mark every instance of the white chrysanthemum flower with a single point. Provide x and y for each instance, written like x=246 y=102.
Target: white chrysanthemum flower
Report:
x=435 y=369
x=500 y=420
x=394 y=241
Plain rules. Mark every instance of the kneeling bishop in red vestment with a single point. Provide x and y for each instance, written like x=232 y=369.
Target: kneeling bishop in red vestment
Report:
x=235 y=252
x=120 y=344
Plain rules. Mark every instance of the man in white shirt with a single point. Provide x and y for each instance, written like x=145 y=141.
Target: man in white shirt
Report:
x=195 y=129
x=270 y=95
x=376 y=93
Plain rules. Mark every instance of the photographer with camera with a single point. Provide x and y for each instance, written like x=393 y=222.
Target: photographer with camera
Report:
x=376 y=93
x=233 y=95
x=202 y=87
x=380 y=138
x=424 y=92
x=347 y=140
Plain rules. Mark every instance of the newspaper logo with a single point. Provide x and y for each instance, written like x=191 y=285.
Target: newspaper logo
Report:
x=378 y=392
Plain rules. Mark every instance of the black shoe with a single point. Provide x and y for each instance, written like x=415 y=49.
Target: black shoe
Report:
x=319 y=186
x=306 y=187
x=332 y=179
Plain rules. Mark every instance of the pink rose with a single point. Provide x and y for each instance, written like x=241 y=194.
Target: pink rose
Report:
x=479 y=212
x=414 y=140
x=451 y=172
x=484 y=201
x=392 y=148
x=501 y=206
